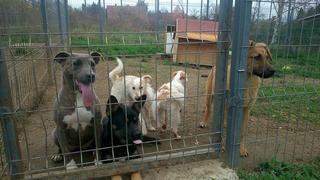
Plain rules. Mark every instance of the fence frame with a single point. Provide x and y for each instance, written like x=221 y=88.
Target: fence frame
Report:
x=240 y=41
x=9 y=127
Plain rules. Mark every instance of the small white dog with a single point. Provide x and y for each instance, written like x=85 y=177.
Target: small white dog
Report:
x=170 y=101
x=128 y=89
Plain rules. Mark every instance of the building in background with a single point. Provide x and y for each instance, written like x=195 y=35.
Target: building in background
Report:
x=195 y=42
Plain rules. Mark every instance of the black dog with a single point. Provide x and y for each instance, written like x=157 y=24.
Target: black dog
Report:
x=121 y=127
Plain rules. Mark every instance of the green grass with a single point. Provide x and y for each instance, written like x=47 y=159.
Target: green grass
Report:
x=121 y=44
x=304 y=65
x=143 y=67
x=277 y=170
x=293 y=103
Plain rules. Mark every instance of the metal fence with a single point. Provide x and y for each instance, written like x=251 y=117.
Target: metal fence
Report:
x=283 y=122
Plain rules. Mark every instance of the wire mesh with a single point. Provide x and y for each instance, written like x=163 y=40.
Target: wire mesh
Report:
x=283 y=122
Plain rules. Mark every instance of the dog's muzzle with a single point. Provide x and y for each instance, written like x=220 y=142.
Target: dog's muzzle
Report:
x=265 y=74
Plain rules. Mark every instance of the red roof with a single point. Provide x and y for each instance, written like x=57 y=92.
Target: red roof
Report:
x=192 y=25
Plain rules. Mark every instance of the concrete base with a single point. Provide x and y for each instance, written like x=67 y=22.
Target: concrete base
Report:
x=208 y=169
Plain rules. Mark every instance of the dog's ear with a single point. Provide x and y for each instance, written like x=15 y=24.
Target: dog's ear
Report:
x=137 y=106
x=96 y=56
x=269 y=55
x=61 y=57
x=174 y=74
x=147 y=78
x=112 y=105
x=268 y=52
x=252 y=43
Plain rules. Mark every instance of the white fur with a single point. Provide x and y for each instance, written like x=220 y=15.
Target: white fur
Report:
x=170 y=101
x=71 y=165
x=80 y=115
x=127 y=89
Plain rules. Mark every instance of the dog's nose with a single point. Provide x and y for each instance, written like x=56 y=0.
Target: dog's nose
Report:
x=272 y=71
x=90 y=78
x=137 y=134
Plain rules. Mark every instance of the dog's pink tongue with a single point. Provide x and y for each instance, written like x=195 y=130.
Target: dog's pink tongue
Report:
x=138 y=141
x=87 y=94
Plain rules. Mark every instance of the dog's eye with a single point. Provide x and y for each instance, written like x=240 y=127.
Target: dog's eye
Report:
x=141 y=87
x=77 y=63
x=258 y=57
x=133 y=88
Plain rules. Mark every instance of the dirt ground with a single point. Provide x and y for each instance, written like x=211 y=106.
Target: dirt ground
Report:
x=266 y=139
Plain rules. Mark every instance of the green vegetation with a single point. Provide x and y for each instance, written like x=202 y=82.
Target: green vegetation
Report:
x=283 y=170
x=301 y=64
x=121 y=45
x=289 y=103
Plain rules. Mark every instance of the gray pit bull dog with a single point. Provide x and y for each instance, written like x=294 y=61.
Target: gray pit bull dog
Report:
x=77 y=112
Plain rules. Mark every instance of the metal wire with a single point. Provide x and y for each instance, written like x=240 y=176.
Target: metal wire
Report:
x=283 y=122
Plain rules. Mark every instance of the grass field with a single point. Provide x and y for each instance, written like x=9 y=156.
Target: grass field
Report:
x=278 y=170
x=123 y=44
x=289 y=103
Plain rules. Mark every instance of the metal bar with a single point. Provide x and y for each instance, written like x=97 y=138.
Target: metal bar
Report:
x=240 y=39
x=66 y=13
x=207 y=10
x=221 y=68
x=10 y=138
x=129 y=166
x=46 y=39
x=101 y=21
x=60 y=22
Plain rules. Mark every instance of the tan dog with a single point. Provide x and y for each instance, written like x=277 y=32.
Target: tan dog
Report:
x=258 y=66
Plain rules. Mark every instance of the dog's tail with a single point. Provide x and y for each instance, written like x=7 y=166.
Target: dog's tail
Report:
x=114 y=74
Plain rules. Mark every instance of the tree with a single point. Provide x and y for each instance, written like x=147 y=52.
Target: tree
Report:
x=278 y=20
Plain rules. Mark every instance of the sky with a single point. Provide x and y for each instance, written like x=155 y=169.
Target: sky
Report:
x=164 y=4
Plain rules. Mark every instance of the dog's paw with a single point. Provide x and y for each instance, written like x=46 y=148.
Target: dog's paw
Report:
x=203 y=125
x=223 y=149
x=97 y=163
x=243 y=152
x=57 y=158
x=177 y=136
x=71 y=165
x=152 y=128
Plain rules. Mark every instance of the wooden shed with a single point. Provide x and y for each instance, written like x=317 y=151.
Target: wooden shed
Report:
x=195 y=42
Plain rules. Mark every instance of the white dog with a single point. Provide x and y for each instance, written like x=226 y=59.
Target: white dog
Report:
x=170 y=101
x=128 y=89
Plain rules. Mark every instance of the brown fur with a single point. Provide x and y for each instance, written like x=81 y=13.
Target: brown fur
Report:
x=258 y=66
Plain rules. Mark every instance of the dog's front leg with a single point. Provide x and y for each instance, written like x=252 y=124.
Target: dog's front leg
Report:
x=243 y=150
x=147 y=118
x=97 y=134
x=63 y=143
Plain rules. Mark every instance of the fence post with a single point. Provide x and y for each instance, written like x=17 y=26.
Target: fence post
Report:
x=10 y=138
x=157 y=18
x=66 y=13
x=101 y=21
x=60 y=22
x=240 y=42
x=221 y=70
x=46 y=39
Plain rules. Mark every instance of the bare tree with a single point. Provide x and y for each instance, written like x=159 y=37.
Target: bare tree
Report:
x=279 y=10
x=194 y=13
